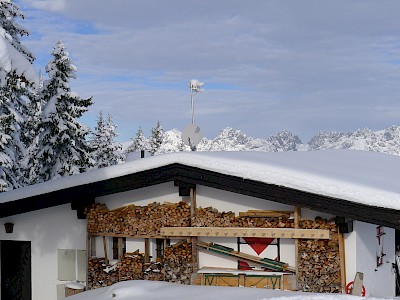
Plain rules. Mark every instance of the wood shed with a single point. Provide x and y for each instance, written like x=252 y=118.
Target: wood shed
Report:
x=299 y=220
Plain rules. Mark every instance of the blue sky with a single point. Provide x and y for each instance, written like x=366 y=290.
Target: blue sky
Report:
x=302 y=66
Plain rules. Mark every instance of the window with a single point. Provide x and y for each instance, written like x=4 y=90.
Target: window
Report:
x=119 y=247
x=160 y=247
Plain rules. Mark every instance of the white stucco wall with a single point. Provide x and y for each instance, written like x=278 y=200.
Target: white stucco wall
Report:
x=48 y=230
x=165 y=192
x=378 y=281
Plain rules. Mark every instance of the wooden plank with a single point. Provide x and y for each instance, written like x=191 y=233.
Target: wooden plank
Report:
x=129 y=235
x=264 y=214
x=146 y=250
x=342 y=258
x=297 y=219
x=289 y=282
x=195 y=251
x=245 y=232
x=120 y=247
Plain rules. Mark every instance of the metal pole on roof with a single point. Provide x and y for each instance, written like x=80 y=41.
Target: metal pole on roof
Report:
x=195 y=87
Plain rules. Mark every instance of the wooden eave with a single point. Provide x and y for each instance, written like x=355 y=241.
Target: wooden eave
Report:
x=83 y=195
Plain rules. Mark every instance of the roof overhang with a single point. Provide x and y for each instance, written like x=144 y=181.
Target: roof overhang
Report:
x=82 y=195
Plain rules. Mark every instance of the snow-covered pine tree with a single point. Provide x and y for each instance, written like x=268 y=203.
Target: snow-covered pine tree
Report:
x=8 y=180
x=156 y=138
x=9 y=11
x=105 y=150
x=140 y=142
x=17 y=76
x=63 y=149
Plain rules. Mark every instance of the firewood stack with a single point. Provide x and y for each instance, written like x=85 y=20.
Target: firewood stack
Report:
x=211 y=217
x=137 y=220
x=319 y=263
x=154 y=271
x=101 y=274
x=178 y=263
x=280 y=222
x=131 y=266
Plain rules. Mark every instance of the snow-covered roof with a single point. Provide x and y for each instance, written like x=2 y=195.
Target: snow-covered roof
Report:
x=358 y=176
x=363 y=177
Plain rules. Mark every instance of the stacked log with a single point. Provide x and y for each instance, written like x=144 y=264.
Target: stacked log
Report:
x=131 y=266
x=319 y=260
x=211 y=217
x=101 y=274
x=95 y=218
x=249 y=222
x=137 y=220
x=178 y=263
x=154 y=271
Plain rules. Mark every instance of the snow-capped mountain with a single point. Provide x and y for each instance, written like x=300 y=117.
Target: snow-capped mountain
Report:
x=229 y=139
x=386 y=140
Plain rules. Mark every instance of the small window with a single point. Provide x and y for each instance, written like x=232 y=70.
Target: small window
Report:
x=160 y=247
x=119 y=247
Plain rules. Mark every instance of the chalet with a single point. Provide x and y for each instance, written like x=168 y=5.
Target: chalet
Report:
x=293 y=220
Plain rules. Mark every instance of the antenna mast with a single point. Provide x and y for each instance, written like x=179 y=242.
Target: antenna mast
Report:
x=195 y=87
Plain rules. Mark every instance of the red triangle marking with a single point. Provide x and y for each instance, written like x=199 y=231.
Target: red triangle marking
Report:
x=258 y=244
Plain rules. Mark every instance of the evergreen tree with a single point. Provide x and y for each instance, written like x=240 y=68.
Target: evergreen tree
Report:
x=8 y=13
x=8 y=180
x=106 y=151
x=17 y=76
x=62 y=147
x=156 y=139
x=140 y=142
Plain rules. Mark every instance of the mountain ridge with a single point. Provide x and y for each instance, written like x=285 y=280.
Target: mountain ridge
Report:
x=229 y=139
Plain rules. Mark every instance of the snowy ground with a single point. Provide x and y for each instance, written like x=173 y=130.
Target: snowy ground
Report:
x=151 y=290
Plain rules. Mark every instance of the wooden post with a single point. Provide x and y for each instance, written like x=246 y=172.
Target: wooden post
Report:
x=88 y=255
x=146 y=250
x=195 y=251
x=342 y=258
x=120 y=247
x=193 y=203
x=297 y=219
x=105 y=249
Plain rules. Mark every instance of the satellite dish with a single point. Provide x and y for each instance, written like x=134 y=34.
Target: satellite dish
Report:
x=191 y=135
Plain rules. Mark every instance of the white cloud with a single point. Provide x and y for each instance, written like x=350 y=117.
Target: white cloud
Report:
x=303 y=66
x=51 y=5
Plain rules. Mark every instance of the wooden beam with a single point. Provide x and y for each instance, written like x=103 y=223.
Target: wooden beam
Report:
x=297 y=219
x=342 y=258
x=193 y=240
x=120 y=253
x=264 y=214
x=193 y=203
x=246 y=232
x=146 y=250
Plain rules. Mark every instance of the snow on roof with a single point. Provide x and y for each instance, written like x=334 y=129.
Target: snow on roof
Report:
x=359 y=176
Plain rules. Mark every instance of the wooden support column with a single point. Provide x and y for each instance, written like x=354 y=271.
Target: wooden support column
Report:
x=120 y=253
x=146 y=250
x=297 y=219
x=195 y=251
x=342 y=261
x=193 y=203
x=88 y=255
x=105 y=249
